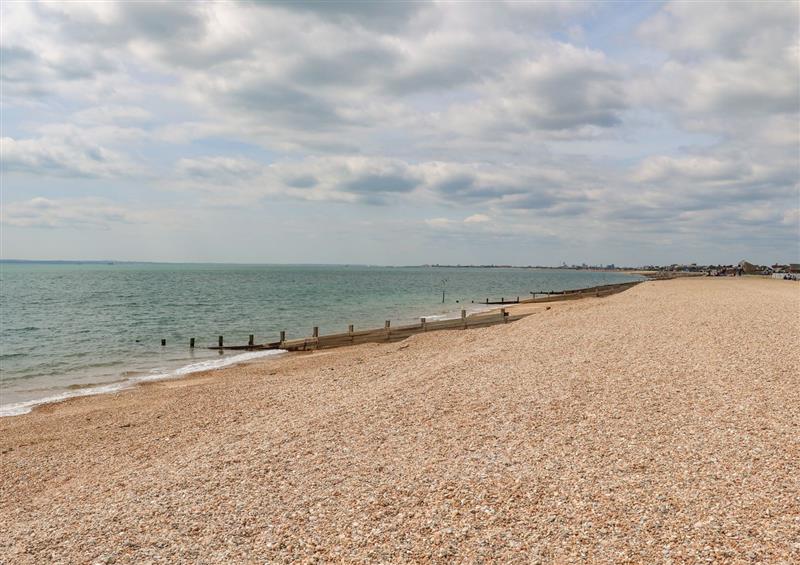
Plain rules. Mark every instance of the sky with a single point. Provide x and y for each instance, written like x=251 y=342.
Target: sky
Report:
x=401 y=132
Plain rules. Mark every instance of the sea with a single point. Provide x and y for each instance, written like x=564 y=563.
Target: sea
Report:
x=76 y=329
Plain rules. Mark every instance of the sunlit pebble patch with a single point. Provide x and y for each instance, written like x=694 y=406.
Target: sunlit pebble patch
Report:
x=659 y=425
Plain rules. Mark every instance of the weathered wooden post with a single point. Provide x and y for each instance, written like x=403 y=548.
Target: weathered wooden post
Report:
x=220 y=341
x=283 y=336
x=191 y=343
x=422 y=324
x=251 y=341
x=487 y=301
x=315 y=333
x=517 y=299
x=163 y=342
x=350 y=329
x=504 y=314
x=464 y=318
x=388 y=331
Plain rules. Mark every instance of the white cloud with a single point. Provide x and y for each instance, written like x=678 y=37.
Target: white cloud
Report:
x=477 y=219
x=562 y=89
x=113 y=114
x=698 y=168
x=728 y=62
x=440 y=223
x=64 y=157
x=42 y=212
x=728 y=29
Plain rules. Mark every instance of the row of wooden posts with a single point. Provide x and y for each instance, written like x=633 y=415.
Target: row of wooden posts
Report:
x=387 y=330
x=250 y=343
x=392 y=333
x=387 y=333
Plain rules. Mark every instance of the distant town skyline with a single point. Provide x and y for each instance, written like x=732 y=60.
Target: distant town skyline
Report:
x=401 y=133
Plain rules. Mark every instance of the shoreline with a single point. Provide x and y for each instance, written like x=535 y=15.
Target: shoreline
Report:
x=207 y=366
x=102 y=388
x=232 y=361
x=179 y=372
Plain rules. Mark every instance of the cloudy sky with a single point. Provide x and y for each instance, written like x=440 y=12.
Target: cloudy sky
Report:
x=401 y=132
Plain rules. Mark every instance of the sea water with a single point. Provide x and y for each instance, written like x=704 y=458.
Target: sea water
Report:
x=76 y=329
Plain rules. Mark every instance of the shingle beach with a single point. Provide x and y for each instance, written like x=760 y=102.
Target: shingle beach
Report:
x=659 y=425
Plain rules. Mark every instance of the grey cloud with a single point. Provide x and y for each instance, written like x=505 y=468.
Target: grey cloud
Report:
x=159 y=21
x=288 y=105
x=484 y=190
x=384 y=16
x=164 y=21
x=538 y=201
x=26 y=74
x=373 y=183
x=345 y=67
x=459 y=183
x=301 y=181
x=218 y=169
x=578 y=96
x=351 y=179
x=568 y=209
x=60 y=157
x=64 y=213
x=12 y=54
x=429 y=78
x=563 y=90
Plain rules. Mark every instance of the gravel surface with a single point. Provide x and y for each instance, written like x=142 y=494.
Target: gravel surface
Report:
x=660 y=425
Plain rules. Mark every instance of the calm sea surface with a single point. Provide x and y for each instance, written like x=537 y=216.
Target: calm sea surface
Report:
x=76 y=329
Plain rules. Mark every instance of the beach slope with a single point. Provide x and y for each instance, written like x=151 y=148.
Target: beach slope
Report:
x=657 y=425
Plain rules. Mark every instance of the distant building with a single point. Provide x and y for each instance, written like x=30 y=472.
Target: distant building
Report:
x=749 y=268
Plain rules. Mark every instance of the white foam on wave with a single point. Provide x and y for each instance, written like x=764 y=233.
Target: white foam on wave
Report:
x=19 y=408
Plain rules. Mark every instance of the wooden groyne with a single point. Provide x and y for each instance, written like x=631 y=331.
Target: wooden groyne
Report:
x=499 y=302
x=391 y=333
x=596 y=291
x=558 y=295
x=397 y=333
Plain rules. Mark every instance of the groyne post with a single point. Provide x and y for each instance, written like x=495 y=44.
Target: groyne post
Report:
x=251 y=341
x=315 y=333
x=464 y=318
x=191 y=343
x=220 y=341
x=283 y=336
x=163 y=342
x=422 y=324
x=504 y=314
